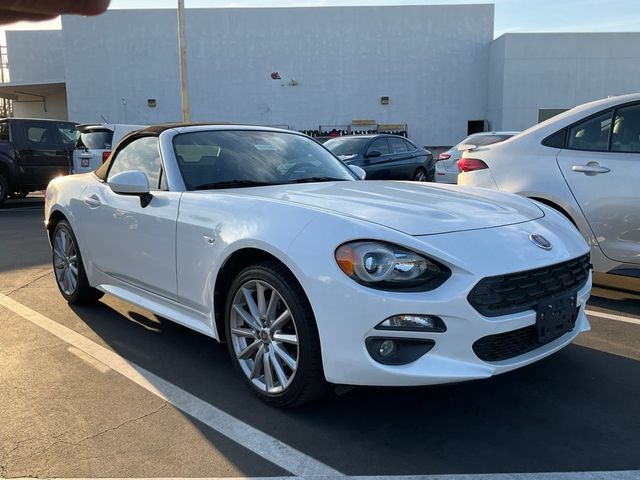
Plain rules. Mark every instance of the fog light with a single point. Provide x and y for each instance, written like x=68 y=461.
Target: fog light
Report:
x=417 y=323
x=387 y=348
x=397 y=351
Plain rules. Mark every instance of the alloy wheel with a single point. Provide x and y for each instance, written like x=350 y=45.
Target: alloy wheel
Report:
x=65 y=261
x=264 y=337
x=420 y=176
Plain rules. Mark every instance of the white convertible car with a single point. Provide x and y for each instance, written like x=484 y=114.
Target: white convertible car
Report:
x=263 y=239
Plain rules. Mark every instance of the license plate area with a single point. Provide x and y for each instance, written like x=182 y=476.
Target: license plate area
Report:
x=556 y=316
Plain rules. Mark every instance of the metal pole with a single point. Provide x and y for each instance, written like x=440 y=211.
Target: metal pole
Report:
x=182 y=52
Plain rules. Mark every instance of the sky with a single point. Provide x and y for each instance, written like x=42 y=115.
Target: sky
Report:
x=512 y=16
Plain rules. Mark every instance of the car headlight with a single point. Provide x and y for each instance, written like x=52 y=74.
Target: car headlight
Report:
x=386 y=266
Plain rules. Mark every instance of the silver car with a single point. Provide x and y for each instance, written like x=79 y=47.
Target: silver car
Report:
x=585 y=163
x=447 y=162
x=95 y=144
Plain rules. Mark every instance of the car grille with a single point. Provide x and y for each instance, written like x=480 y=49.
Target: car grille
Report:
x=518 y=292
x=510 y=344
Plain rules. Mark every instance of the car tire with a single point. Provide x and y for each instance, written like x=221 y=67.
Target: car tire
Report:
x=420 y=175
x=260 y=336
x=66 y=257
x=4 y=189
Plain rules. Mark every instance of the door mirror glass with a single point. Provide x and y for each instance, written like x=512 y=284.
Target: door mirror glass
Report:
x=130 y=182
x=359 y=172
x=372 y=154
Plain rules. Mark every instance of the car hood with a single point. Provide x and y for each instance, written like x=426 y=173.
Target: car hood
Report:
x=409 y=207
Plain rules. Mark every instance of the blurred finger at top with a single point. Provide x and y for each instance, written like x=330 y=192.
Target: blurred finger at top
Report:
x=49 y=8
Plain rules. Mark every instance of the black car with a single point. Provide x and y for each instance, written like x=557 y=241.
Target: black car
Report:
x=385 y=157
x=32 y=152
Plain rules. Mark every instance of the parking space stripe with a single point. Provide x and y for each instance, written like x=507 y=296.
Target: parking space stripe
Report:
x=610 y=316
x=613 y=475
x=260 y=443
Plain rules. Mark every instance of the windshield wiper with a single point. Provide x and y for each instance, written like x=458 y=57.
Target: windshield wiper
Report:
x=233 y=184
x=318 y=179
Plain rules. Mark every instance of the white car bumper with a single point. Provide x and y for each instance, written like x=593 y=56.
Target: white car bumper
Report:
x=347 y=313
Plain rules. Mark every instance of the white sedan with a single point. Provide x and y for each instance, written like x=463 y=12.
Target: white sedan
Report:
x=584 y=163
x=447 y=162
x=263 y=239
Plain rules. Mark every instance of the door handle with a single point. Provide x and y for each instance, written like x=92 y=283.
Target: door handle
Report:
x=93 y=201
x=591 y=168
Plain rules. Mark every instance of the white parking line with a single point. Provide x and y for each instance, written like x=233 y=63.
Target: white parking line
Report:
x=260 y=443
x=616 y=475
x=610 y=316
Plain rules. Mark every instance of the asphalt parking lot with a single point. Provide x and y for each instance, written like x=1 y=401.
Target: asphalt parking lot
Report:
x=114 y=391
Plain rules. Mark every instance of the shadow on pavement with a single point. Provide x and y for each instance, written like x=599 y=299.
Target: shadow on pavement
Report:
x=575 y=411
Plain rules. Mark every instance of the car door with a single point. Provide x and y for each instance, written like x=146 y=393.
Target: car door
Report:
x=601 y=165
x=42 y=154
x=134 y=244
x=377 y=168
x=402 y=166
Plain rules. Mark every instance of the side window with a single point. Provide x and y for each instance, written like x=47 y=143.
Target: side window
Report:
x=43 y=133
x=592 y=134
x=626 y=130
x=397 y=145
x=142 y=154
x=4 y=132
x=410 y=146
x=380 y=145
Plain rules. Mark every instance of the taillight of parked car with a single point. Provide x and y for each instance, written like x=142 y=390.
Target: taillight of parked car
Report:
x=443 y=156
x=470 y=165
x=105 y=156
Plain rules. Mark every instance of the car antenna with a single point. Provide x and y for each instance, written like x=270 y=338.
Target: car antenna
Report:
x=102 y=117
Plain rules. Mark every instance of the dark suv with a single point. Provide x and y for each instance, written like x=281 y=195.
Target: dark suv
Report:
x=32 y=152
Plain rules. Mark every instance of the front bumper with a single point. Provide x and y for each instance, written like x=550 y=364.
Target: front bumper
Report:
x=452 y=359
x=347 y=313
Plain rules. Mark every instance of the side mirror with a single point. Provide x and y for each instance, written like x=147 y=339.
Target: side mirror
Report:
x=359 y=172
x=131 y=182
x=372 y=154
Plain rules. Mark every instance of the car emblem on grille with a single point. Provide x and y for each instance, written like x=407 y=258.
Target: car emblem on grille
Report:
x=540 y=241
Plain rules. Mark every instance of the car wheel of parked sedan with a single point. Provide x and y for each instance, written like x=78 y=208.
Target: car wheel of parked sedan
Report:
x=4 y=188
x=272 y=336
x=420 y=175
x=69 y=269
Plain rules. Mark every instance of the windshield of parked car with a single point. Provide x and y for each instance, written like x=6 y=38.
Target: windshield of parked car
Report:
x=95 y=139
x=346 y=146
x=246 y=158
x=68 y=132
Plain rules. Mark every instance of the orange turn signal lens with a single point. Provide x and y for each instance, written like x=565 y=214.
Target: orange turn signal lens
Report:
x=345 y=257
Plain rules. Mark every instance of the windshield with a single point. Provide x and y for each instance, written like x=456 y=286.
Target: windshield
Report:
x=347 y=146
x=95 y=139
x=481 y=140
x=223 y=159
x=68 y=133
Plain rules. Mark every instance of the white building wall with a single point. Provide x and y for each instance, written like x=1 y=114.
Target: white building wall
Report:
x=432 y=61
x=115 y=62
x=559 y=70
x=35 y=56
x=496 y=83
